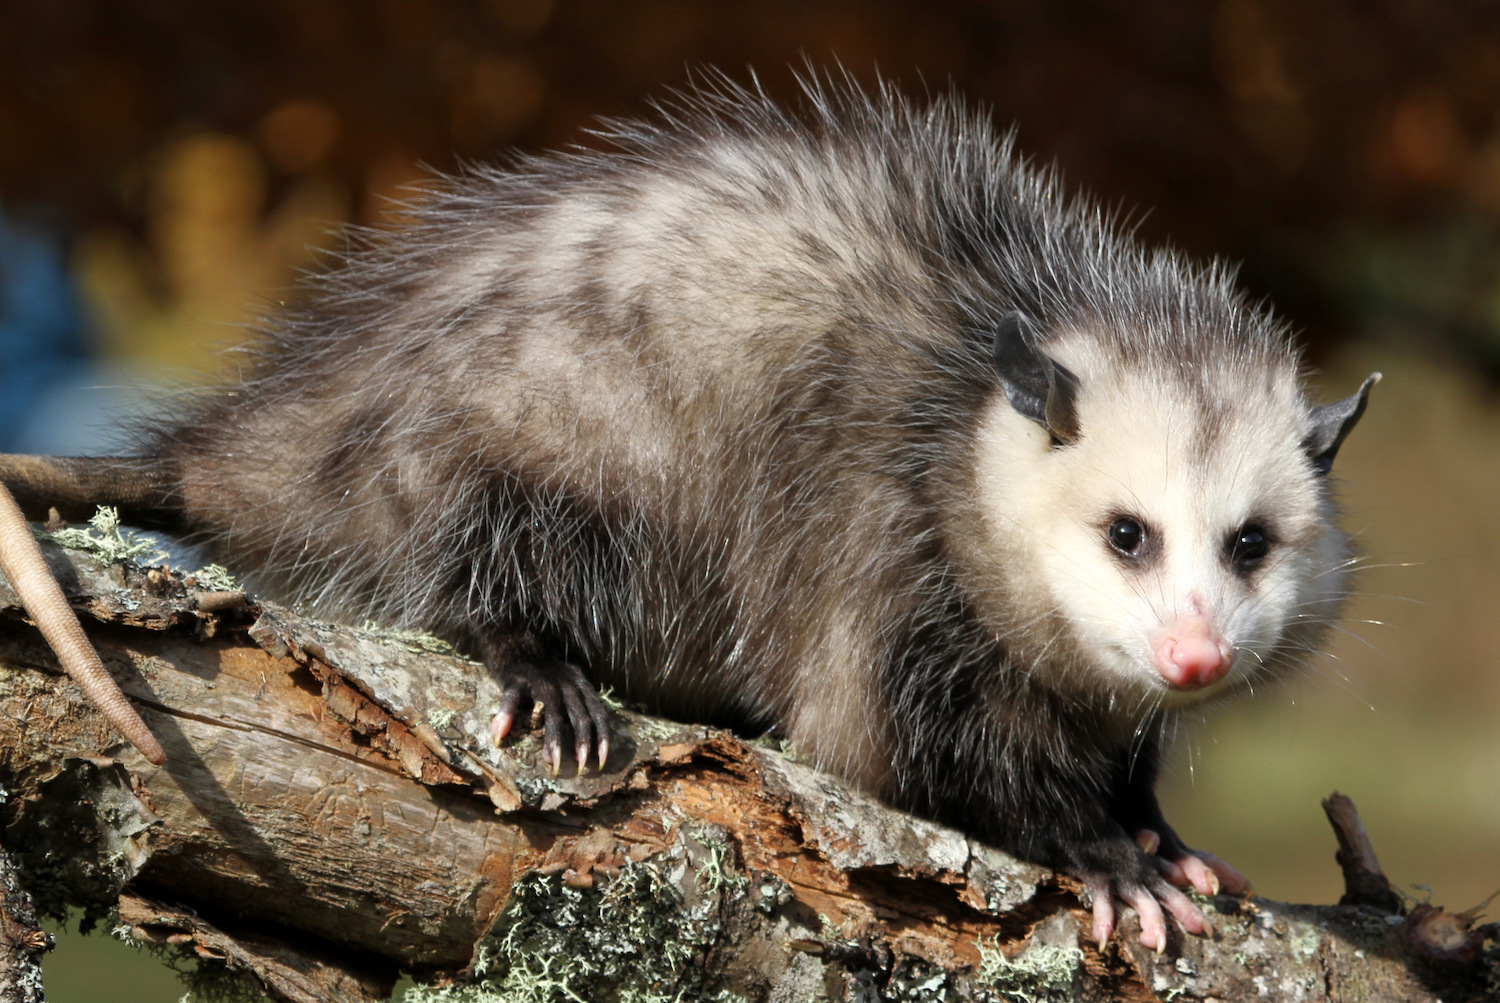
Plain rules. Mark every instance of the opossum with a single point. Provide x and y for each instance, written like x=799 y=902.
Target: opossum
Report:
x=844 y=422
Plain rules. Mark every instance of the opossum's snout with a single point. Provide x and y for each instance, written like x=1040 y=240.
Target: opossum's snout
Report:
x=1192 y=655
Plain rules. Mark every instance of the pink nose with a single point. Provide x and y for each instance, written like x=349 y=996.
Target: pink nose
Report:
x=1193 y=656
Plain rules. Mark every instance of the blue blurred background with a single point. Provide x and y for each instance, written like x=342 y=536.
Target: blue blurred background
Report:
x=167 y=168
x=43 y=344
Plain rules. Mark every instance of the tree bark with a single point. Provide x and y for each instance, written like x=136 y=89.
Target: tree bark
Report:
x=331 y=814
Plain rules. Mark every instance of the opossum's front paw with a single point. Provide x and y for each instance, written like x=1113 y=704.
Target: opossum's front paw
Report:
x=1203 y=872
x=1147 y=892
x=562 y=701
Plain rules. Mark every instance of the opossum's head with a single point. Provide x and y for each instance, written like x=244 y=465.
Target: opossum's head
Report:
x=1165 y=526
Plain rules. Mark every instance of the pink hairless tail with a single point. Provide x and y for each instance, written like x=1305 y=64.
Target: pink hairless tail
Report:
x=22 y=562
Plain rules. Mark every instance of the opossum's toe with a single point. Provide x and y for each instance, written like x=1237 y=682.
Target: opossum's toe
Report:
x=1230 y=880
x=1153 y=923
x=505 y=714
x=590 y=723
x=580 y=722
x=1191 y=872
x=563 y=703
x=1104 y=910
x=552 y=739
x=587 y=716
x=1144 y=901
x=1149 y=895
x=1203 y=872
x=1183 y=909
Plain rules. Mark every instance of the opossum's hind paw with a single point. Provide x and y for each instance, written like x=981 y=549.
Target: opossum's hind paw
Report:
x=1203 y=872
x=1147 y=896
x=563 y=701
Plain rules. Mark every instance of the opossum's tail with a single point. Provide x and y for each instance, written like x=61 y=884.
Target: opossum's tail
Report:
x=22 y=564
x=141 y=487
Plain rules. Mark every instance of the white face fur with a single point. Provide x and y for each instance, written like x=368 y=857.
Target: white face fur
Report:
x=1167 y=518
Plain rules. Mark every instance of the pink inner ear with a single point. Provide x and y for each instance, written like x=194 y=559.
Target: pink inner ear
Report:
x=1192 y=655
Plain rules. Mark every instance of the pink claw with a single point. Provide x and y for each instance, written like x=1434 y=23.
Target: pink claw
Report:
x=1104 y=916
x=1231 y=881
x=1198 y=874
x=500 y=725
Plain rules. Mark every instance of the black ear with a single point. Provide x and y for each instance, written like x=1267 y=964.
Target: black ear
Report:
x=1331 y=423
x=1038 y=387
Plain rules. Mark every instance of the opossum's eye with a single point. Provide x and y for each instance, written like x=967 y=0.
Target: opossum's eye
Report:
x=1127 y=536
x=1248 y=547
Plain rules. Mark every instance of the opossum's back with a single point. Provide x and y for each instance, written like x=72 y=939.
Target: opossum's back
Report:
x=648 y=327
x=724 y=348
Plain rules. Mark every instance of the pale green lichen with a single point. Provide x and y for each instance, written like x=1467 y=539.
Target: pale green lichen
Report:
x=111 y=543
x=1304 y=941
x=656 y=730
x=533 y=789
x=782 y=746
x=215 y=577
x=628 y=939
x=1039 y=974
x=921 y=982
x=720 y=874
x=412 y=640
x=910 y=980
x=829 y=934
x=773 y=894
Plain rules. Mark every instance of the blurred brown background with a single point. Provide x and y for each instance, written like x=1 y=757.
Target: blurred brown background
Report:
x=178 y=161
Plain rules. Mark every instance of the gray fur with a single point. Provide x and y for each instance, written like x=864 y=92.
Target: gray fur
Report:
x=705 y=414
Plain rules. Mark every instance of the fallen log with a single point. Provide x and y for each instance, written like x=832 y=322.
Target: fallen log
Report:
x=331 y=815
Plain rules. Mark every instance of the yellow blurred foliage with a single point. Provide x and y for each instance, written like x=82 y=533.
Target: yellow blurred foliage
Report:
x=215 y=256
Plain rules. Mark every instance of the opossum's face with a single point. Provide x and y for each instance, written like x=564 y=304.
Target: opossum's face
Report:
x=1178 y=546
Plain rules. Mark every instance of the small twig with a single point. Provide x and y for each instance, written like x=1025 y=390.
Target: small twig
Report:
x=1364 y=882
